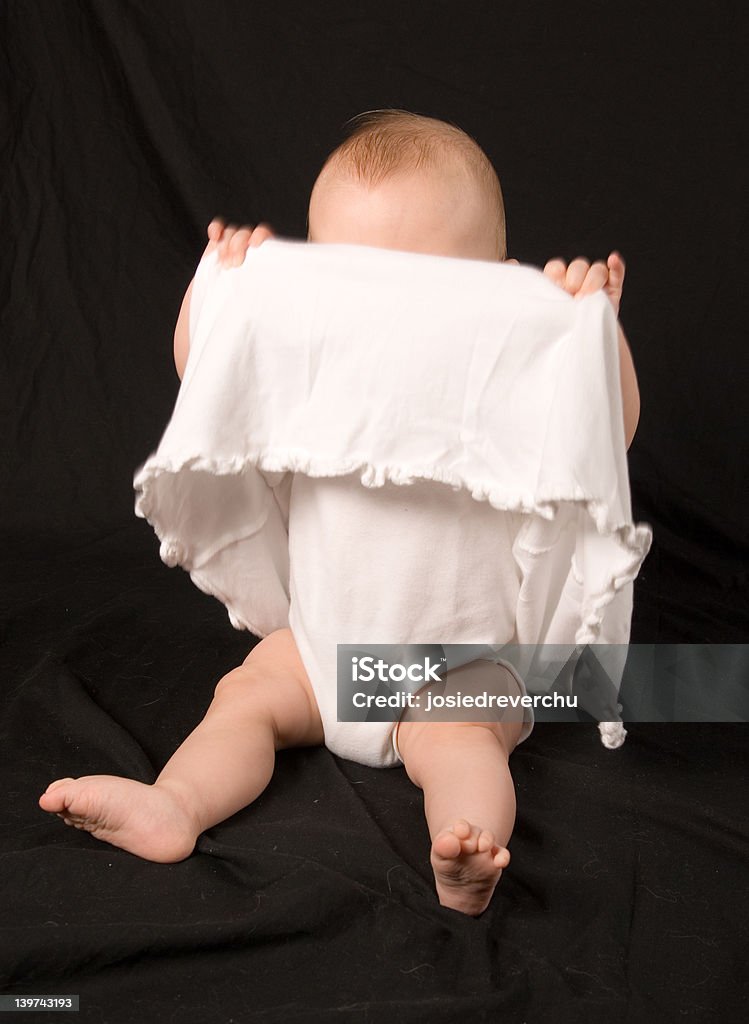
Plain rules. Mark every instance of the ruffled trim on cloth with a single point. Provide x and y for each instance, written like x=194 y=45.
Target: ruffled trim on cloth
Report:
x=633 y=541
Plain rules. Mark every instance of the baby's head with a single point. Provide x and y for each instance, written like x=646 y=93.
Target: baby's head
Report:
x=409 y=182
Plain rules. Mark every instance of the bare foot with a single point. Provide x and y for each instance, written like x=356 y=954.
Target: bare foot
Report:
x=149 y=821
x=467 y=864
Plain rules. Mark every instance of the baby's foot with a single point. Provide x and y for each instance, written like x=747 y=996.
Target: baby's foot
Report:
x=149 y=821
x=467 y=864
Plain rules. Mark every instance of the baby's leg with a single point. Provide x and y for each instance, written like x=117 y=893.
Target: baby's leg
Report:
x=469 y=800
x=264 y=705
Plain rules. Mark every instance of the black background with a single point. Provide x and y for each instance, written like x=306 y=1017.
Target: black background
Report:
x=127 y=127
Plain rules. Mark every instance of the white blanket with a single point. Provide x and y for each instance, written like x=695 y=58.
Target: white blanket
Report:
x=331 y=360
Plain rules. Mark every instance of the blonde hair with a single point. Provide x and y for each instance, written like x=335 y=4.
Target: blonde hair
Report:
x=381 y=142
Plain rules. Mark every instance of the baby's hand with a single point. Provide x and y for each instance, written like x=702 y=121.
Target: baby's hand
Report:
x=581 y=278
x=232 y=242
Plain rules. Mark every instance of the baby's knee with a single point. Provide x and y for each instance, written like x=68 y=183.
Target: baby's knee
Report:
x=272 y=681
x=419 y=743
x=422 y=744
x=240 y=686
x=278 y=643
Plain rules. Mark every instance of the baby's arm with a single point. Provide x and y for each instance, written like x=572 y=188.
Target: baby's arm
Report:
x=582 y=278
x=232 y=244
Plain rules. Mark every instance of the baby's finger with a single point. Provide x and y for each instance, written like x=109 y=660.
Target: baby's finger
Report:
x=576 y=273
x=238 y=246
x=214 y=231
x=615 y=286
x=617 y=270
x=596 y=279
x=261 y=234
x=556 y=270
x=224 y=254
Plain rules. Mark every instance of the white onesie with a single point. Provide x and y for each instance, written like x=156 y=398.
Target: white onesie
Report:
x=420 y=563
x=373 y=446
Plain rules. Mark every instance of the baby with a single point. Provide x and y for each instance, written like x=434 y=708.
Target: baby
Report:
x=405 y=182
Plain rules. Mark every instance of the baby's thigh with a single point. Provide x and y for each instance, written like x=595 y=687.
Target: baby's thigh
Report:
x=274 y=666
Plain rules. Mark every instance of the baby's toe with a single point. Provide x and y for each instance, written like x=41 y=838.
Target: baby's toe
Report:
x=56 y=783
x=485 y=841
x=469 y=836
x=53 y=798
x=447 y=845
x=501 y=857
x=462 y=828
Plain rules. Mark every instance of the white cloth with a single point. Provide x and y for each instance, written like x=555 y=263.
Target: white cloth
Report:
x=398 y=564
x=367 y=382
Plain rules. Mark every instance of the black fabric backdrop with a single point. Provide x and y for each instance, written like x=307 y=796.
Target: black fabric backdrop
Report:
x=126 y=127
